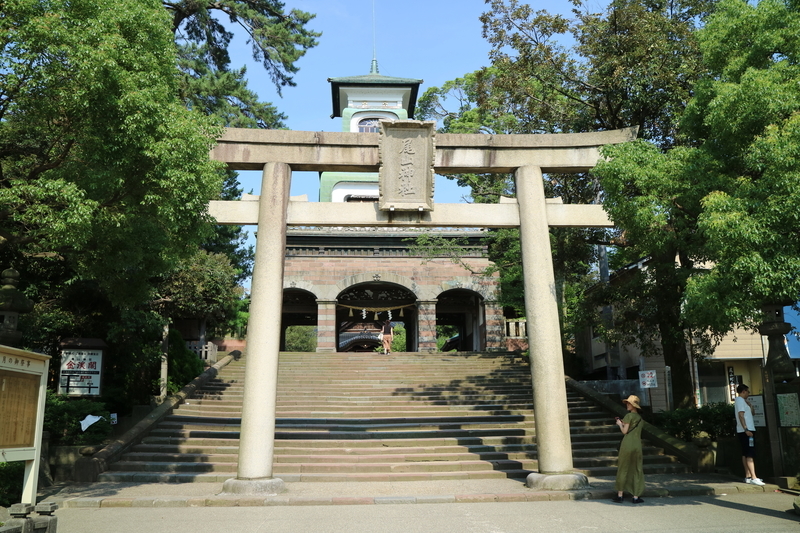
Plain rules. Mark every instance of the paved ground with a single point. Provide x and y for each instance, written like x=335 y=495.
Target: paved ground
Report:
x=354 y=493
x=751 y=513
x=701 y=503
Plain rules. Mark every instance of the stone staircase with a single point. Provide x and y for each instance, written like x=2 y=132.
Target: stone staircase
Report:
x=369 y=417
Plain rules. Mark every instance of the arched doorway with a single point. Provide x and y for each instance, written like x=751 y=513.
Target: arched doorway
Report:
x=463 y=309
x=362 y=307
x=299 y=309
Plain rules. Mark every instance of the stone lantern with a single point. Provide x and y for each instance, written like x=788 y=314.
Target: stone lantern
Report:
x=774 y=327
x=778 y=369
x=12 y=303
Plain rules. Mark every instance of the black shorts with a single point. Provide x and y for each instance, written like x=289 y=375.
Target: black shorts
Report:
x=744 y=441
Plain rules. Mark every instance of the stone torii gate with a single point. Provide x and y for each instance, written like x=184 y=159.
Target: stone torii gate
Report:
x=406 y=154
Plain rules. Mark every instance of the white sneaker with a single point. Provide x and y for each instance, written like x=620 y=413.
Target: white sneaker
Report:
x=747 y=480
x=756 y=481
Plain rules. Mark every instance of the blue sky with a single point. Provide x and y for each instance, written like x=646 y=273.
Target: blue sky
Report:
x=793 y=317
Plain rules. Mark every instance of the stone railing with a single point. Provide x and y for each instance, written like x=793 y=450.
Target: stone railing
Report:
x=23 y=521
x=698 y=459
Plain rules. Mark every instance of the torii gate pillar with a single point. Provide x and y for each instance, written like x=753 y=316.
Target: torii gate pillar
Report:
x=257 y=434
x=554 y=450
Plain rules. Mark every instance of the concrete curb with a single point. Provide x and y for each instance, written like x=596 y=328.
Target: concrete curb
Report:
x=285 y=499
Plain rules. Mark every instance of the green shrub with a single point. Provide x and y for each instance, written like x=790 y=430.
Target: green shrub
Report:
x=713 y=420
x=62 y=418
x=399 y=338
x=11 y=477
x=301 y=339
x=183 y=364
x=717 y=420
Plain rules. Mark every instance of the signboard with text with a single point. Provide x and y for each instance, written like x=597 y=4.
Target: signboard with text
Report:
x=759 y=415
x=788 y=410
x=647 y=379
x=733 y=382
x=81 y=371
x=23 y=380
x=407 y=152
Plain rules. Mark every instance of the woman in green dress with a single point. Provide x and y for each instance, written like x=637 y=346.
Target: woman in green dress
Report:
x=630 y=474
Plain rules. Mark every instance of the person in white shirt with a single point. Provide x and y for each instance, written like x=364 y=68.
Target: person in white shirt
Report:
x=745 y=432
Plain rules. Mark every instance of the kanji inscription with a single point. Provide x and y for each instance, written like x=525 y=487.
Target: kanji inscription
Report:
x=407 y=154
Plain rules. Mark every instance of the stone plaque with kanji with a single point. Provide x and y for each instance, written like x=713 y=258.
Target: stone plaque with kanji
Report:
x=407 y=153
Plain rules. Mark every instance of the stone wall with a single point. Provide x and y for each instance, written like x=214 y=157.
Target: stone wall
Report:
x=327 y=276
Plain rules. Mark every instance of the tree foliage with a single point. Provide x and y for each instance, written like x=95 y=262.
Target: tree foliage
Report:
x=301 y=339
x=209 y=83
x=746 y=120
x=633 y=64
x=183 y=364
x=104 y=177
x=716 y=216
x=277 y=39
x=201 y=287
x=738 y=182
x=100 y=164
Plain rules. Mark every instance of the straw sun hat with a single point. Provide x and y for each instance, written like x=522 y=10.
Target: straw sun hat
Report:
x=633 y=400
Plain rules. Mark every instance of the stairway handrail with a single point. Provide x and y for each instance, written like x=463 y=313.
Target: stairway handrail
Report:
x=88 y=469
x=698 y=459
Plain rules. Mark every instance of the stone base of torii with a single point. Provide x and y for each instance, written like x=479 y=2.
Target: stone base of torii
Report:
x=407 y=155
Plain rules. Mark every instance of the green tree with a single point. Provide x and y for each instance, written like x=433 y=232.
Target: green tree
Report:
x=301 y=339
x=209 y=83
x=632 y=64
x=635 y=63
x=278 y=39
x=746 y=118
x=100 y=164
x=104 y=175
x=725 y=205
x=232 y=240
x=656 y=199
x=183 y=364
x=201 y=287
x=399 y=338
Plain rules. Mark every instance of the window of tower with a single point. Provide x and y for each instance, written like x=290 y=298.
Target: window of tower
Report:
x=368 y=125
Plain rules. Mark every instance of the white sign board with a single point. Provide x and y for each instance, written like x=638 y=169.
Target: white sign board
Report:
x=788 y=410
x=759 y=416
x=80 y=372
x=647 y=379
x=23 y=381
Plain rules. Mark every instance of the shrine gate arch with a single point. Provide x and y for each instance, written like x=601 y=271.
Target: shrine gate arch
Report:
x=407 y=154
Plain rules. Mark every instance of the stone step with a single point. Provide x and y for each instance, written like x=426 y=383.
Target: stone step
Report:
x=361 y=417
x=356 y=412
x=389 y=433
x=484 y=440
x=396 y=455
x=141 y=477
x=174 y=421
x=389 y=400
